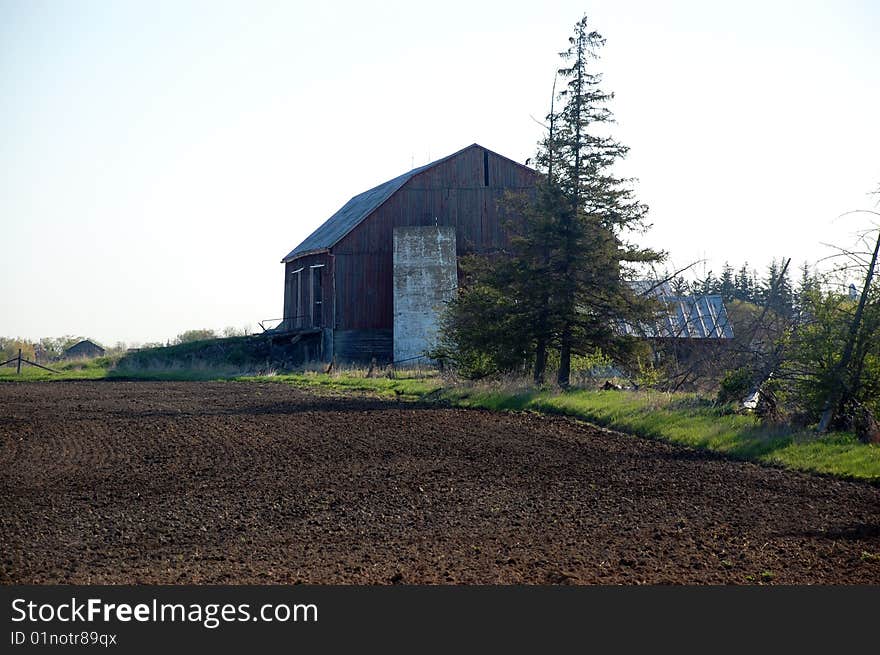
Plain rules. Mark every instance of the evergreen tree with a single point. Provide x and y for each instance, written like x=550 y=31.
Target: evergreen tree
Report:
x=744 y=285
x=591 y=290
x=806 y=285
x=766 y=285
x=780 y=300
x=564 y=283
x=679 y=286
x=706 y=286
x=727 y=285
x=785 y=299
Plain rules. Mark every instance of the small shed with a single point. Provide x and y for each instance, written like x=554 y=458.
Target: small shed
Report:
x=84 y=349
x=689 y=332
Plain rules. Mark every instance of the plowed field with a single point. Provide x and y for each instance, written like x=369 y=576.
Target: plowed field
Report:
x=143 y=482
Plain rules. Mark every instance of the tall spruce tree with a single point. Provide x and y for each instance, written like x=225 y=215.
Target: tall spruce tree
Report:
x=727 y=286
x=563 y=284
x=592 y=293
x=744 y=284
x=707 y=285
x=807 y=284
x=775 y=290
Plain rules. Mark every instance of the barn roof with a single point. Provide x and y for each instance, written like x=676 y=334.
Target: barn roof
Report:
x=85 y=343
x=694 y=317
x=358 y=208
x=686 y=317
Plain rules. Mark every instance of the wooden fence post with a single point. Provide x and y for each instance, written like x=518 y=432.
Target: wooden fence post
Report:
x=18 y=368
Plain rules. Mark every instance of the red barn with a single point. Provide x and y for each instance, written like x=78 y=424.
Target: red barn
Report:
x=370 y=281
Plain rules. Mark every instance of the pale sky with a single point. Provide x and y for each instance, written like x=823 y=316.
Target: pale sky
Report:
x=158 y=159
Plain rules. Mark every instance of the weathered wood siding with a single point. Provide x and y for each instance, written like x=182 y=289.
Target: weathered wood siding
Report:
x=363 y=345
x=363 y=290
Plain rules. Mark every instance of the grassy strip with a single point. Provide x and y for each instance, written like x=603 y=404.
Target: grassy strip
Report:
x=105 y=368
x=408 y=388
x=92 y=371
x=400 y=387
x=95 y=369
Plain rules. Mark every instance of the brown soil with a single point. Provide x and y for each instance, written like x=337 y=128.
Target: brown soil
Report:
x=139 y=482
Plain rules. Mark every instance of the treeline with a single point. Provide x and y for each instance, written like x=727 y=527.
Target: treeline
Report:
x=206 y=333
x=51 y=349
x=47 y=349
x=775 y=287
x=813 y=357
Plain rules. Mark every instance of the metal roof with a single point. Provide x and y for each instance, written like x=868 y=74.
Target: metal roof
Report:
x=686 y=317
x=694 y=317
x=356 y=210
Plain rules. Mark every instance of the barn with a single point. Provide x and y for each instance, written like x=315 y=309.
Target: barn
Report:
x=84 y=348
x=371 y=280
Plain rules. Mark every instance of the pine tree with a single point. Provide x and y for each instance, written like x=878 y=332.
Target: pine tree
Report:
x=775 y=289
x=592 y=291
x=744 y=284
x=563 y=284
x=679 y=286
x=727 y=285
x=807 y=284
x=706 y=286
x=785 y=298
x=766 y=285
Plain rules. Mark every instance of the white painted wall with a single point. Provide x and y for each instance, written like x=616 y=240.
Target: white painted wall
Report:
x=425 y=278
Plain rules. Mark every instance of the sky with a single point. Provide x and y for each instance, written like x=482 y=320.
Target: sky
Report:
x=158 y=159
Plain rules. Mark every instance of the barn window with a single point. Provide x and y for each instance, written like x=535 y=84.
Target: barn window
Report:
x=317 y=294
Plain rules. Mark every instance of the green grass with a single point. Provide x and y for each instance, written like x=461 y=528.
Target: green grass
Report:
x=105 y=368
x=839 y=454
x=34 y=374
x=408 y=388
x=406 y=385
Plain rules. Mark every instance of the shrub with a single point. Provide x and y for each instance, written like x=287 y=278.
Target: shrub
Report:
x=735 y=385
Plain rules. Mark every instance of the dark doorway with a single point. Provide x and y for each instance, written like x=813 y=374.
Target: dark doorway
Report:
x=317 y=295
